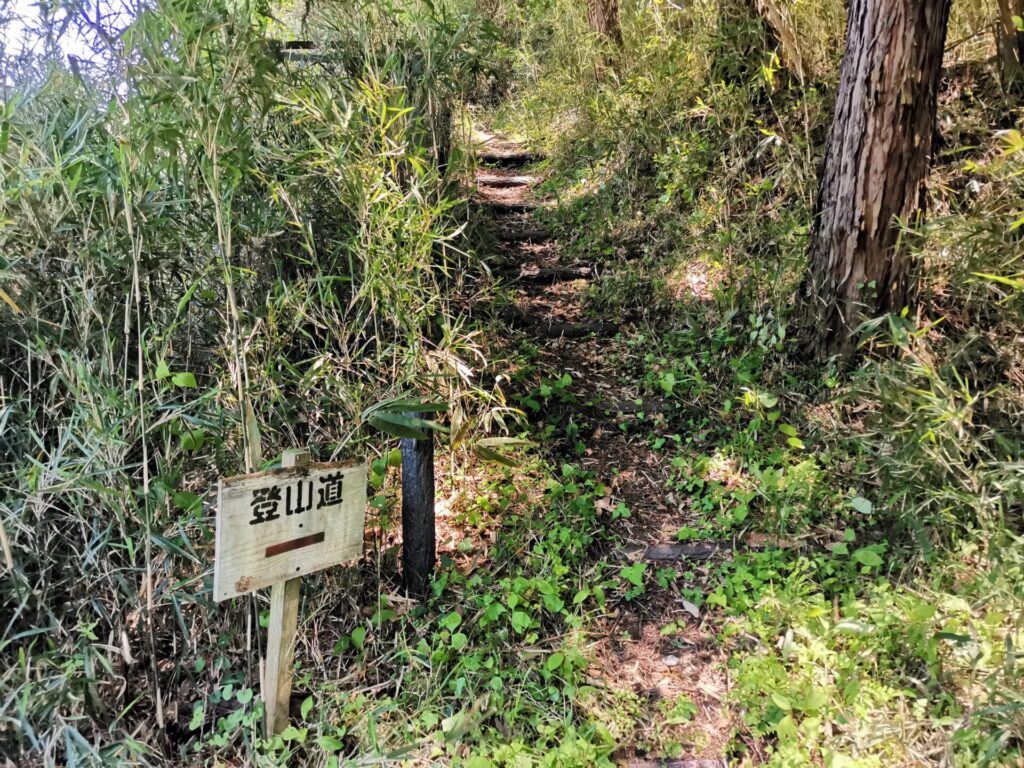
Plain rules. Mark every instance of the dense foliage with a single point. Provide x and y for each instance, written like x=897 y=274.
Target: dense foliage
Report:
x=212 y=249
x=210 y=254
x=691 y=155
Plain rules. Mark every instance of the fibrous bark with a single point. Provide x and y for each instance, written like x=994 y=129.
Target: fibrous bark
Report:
x=748 y=28
x=874 y=170
x=604 y=18
x=1011 y=44
x=777 y=17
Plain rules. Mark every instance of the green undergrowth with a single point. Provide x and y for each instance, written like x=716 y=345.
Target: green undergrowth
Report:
x=856 y=636
x=872 y=609
x=223 y=254
x=491 y=670
x=210 y=253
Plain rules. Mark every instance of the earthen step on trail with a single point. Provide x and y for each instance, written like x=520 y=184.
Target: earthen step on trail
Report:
x=502 y=182
x=576 y=330
x=531 y=235
x=547 y=274
x=509 y=159
x=633 y=407
x=603 y=408
x=517 y=317
x=502 y=206
x=671 y=551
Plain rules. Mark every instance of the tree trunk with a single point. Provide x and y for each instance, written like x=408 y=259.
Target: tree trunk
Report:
x=776 y=16
x=874 y=170
x=749 y=28
x=604 y=18
x=1011 y=44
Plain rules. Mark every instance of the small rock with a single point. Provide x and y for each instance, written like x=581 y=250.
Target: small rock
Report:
x=670 y=660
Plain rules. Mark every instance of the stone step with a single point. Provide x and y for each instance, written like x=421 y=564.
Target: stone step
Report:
x=685 y=550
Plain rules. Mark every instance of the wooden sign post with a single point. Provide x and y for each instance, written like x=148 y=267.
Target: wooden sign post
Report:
x=418 y=525
x=275 y=527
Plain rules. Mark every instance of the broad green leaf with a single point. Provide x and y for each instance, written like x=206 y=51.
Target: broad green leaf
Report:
x=553 y=603
x=198 y=716
x=193 y=440
x=330 y=743
x=521 y=621
x=358 y=637
x=786 y=729
x=814 y=701
x=188 y=502
x=404 y=426
x=492 y=612
x=291 y=733
x=867 y=557
x=491 y=455
x=922 y=612
x=634 y=574
x=184 y=379
x=862 y=505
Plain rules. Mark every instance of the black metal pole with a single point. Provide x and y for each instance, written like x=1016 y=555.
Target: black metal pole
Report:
x=418 y=533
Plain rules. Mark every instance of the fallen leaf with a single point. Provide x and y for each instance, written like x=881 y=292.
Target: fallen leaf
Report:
x=691 y=609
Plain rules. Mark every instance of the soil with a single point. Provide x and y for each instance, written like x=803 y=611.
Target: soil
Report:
x=629 y=651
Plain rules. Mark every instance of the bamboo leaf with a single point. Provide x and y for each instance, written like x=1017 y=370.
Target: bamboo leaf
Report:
x=492 y=455
x=401 y=426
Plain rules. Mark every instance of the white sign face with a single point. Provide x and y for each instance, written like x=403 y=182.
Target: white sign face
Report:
x=286 y=523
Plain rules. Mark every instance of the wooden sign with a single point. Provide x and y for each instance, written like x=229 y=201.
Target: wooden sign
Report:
x=286 y=523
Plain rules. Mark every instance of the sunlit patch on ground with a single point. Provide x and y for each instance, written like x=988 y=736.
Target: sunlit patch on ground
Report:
x=695 y=280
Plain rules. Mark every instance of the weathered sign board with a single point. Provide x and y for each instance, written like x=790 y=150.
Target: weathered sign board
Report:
x=272 y=529
x=287 y=523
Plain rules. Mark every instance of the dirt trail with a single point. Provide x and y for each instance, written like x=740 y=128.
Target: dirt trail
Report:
x=630 y=653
